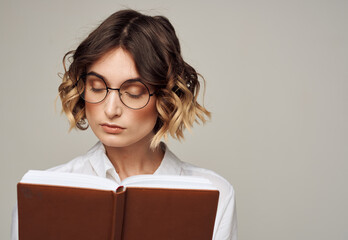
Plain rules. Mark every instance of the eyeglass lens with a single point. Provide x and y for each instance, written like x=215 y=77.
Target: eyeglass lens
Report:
x=133 y=93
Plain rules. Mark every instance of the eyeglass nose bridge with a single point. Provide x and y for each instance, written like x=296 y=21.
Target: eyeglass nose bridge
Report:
x=109 y=89
x=115 y=89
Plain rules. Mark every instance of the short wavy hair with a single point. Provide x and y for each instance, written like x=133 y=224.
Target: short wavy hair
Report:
x=155 y=48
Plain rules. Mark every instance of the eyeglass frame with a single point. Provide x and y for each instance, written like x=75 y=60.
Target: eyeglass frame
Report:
x=108 y=89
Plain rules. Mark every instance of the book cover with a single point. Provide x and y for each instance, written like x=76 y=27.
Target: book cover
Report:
x=143 y=207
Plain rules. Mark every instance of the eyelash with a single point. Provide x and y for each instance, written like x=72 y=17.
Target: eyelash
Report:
x=97 y=90
x=133 y=96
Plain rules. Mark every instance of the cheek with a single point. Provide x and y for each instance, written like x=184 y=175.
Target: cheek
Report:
x=147 y=115
x=91 y=111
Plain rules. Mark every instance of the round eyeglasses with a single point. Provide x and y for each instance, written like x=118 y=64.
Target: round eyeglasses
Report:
x=133 y=93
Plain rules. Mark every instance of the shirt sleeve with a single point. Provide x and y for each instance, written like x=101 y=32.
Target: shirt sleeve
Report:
x=226 y=228
x=14 y=225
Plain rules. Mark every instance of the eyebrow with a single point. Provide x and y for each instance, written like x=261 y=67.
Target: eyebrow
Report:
x=106 y=80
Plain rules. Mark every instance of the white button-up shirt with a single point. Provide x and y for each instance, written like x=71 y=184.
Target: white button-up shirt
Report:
x=95 y=162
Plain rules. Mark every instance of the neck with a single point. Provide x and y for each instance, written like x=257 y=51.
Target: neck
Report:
x=135 y=159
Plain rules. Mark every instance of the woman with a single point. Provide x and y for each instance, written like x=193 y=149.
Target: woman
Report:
x=128 y=82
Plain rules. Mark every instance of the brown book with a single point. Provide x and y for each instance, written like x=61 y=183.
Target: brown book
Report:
x=71 y=206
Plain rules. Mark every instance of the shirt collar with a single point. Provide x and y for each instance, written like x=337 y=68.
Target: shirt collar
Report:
x=98 y=159
x=170 y=165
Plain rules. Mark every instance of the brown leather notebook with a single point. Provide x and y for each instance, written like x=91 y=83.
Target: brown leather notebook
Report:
x=52 y=212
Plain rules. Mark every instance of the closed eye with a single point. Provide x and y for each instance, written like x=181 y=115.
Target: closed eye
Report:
x=97 y=90
x=135 y=96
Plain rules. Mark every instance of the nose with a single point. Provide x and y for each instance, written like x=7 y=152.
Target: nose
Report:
x=113 y=105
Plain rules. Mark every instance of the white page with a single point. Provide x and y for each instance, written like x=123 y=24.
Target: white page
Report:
x=95 y=182
x=168 y=181
x=68 y=180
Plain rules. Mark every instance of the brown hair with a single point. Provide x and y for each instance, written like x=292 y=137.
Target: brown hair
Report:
x=155 y=49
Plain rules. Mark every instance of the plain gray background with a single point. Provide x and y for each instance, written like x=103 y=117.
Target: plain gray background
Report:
x=277 y=83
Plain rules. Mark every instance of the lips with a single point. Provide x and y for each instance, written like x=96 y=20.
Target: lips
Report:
x=112 y=128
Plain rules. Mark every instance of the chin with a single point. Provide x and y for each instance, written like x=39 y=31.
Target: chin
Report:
x=116 y=143
x=119 y=141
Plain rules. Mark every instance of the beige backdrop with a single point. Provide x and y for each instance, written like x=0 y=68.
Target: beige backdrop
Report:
x=277 y=83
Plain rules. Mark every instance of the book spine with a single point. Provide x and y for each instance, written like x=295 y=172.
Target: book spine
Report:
x=113 y=224
x=119 y=201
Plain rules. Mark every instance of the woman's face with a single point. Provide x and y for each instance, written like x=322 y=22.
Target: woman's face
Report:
x=112 y=122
